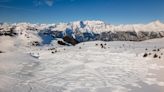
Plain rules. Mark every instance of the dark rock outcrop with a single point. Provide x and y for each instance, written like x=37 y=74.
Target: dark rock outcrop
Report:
x=10 y=32
x=129 y=35
x=118 y=36
x=145 y=55
x=155 y=56
x=35 y=43
x=61 y=43
x=70 y=40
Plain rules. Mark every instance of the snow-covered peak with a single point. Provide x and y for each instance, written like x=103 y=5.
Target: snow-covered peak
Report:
x=157 y=22
x=94 y=22
x=94 y=26
x=82 y=24
x=100 y=26
x=89 y=22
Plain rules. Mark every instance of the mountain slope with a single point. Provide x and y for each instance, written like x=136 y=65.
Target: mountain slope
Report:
x=86 y=31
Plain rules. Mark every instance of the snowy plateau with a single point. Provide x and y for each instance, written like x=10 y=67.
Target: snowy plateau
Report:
x=82 y=56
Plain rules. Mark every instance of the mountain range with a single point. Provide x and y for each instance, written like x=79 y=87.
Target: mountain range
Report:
x=84 y=31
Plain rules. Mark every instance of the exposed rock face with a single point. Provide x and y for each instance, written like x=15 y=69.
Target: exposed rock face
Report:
x=47 y=36
x=118 y=36
x=57 y=34
x=130 y=36
x=70 y=40
x=9 y=32
x=61 y=43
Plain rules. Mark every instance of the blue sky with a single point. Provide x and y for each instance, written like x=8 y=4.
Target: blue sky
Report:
x=55 y=11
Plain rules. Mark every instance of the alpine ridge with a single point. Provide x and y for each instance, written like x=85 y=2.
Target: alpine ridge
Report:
x=85 y=31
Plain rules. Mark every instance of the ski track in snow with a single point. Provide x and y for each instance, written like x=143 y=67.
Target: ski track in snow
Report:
x=89 y=69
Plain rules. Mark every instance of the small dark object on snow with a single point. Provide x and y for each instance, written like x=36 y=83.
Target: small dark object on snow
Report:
x=146 y=49
x=145 y=55
x=158 y=49
x=79 y=47
x=1 y=52
x=52 y=52
x=159 y=57
x=105 y=44
x=154 y=50
x=96 y=44
x=149 y=53
x=161 y=53
x=155 y=56
x=61 y=43
x=51 y=48
x=35 y=43
x=102 y=46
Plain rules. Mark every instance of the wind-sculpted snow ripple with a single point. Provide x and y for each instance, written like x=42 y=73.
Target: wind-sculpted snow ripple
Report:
x=91 y=70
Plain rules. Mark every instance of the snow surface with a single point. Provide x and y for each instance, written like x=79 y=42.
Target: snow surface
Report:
x=86 y=67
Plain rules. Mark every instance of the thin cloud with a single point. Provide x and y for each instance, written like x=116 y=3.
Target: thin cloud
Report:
x=43 y=2
x=49 y=2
